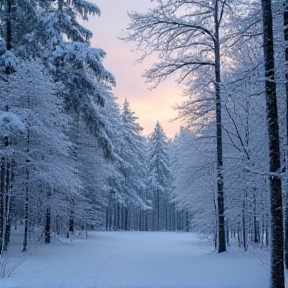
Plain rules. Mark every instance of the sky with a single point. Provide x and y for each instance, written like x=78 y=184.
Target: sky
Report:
x=149 y=105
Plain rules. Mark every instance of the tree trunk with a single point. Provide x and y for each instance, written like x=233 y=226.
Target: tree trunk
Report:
x=110 y=228
x=146 y=221
x=286 y=156
x=239 y=238
x=71 y=222
x=220 y=184
x=7 y=207
x=119 y=216
x=48 y=225
x=126 y=218
x=26 y=206
x=71 y=219
x=8 y=30
x=277 y=251
x=57 y=225
x=157 y=210
x=227 y=232
x=267 y=235
x=2 y=192
x=25 y=238
x=244 y=231
x=255 y=224
x=187 y=221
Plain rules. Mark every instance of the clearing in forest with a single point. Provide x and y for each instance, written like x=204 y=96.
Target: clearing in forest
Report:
x=139 y=259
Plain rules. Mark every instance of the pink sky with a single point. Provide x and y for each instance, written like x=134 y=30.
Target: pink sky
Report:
x=149 y=106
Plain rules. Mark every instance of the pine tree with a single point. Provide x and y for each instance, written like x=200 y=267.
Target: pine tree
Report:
x=132 y=152
x=52 y=33
x=42 y=158
x=159 y=178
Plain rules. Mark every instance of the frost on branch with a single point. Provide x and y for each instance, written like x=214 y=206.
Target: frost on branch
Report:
x=9 y=122
x=80 y=56
x=10 y=126
x=8 y=60
x=84 y=8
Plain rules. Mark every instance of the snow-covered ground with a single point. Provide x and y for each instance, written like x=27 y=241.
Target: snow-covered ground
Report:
x=139 y=260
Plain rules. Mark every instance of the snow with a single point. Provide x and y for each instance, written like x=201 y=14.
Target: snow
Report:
x=138 y=259
x=10 y=122
x=10 y=60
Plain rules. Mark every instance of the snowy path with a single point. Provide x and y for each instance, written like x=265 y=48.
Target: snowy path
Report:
x=138 y=259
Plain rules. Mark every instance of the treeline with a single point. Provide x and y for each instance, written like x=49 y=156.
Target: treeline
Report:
x=230 y=162
x=71 y=158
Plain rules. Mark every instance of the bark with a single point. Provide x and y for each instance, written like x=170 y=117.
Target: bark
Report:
x=26 y=206
x=267 y=234
x=57 y=225
x=140 y=226
x=255 y=224
x=119 y=216
x=48 y=225
x=158 y=210
x=116 y=227
x=71 y=222
x=262 y=235
x=2 y=192
x=71 y=219
x=107 y=218
x=227 y=233
x=110 y=223
x=26 y=210
x=277 y=249
x=9 y=30
x=244 y=232
x=7 y=207
x=220 y=184
x=126 y=218
x=286 y=84
x=239 y=238
x=187 y=221
x=146 y=221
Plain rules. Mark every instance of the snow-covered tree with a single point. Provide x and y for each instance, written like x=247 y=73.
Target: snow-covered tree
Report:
x=63 y=44
x=44 y=170
x=277 y=253
x=51 y=31
x=190 y=38
x=11 y=131
x=159 y=178
x=132 y=151
x=194 y=188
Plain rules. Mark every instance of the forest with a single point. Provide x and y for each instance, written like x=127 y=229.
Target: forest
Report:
x=72 y=159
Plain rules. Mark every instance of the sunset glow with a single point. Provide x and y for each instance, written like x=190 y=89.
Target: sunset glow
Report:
x=149 y=106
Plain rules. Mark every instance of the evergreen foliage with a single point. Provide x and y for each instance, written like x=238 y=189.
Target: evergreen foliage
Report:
x=72 y=159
